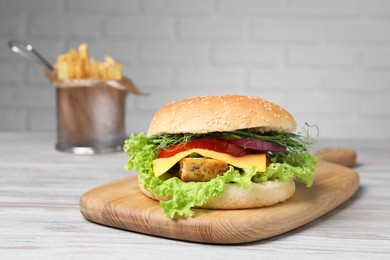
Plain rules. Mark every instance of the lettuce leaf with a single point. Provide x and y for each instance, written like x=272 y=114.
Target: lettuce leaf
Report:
x=185 y=195
x=299 y=165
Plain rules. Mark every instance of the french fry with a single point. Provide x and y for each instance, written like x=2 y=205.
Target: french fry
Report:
x=109 y=60
x=83 y=50
x=77 y=64
x=94 y=68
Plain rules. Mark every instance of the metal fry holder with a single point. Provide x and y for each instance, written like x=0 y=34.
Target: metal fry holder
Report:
x=90 y=113
x=90 y=119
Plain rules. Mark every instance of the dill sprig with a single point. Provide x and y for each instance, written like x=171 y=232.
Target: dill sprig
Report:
x=163 y=141
x=295 y=142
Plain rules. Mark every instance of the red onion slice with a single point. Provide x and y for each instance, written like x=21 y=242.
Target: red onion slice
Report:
x=258 y=145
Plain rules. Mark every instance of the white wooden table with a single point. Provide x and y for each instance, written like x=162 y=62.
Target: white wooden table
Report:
x=40 y=219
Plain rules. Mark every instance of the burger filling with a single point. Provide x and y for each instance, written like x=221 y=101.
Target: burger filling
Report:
x=213 y=159
x=194 y=168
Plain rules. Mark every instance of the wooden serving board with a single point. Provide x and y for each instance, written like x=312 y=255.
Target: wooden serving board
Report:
x=120 y=204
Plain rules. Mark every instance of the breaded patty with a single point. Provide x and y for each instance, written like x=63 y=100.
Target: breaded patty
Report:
x=201 y=169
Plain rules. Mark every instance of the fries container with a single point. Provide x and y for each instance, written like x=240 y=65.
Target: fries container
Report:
x=90 y=119
x=90 y=112
x=91 y=115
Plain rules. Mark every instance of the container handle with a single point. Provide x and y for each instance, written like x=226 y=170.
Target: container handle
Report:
x=27 y=50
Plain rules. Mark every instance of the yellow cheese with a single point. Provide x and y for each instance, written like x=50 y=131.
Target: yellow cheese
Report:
x=162 y=165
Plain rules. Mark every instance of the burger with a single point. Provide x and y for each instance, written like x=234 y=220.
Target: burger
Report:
x=220 y=152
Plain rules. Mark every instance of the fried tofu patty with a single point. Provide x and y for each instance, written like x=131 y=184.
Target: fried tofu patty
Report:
x=201 y=169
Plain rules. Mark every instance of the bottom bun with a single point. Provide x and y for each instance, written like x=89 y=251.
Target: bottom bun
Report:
x=234 y=197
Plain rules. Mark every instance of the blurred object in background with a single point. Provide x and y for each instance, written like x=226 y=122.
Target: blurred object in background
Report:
x=90 y=119
x=90 y=98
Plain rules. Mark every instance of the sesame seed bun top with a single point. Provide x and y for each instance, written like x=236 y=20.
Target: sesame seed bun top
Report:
x=205 y=114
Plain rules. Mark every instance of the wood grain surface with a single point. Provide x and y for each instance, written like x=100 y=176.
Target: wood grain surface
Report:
x=121 y=204
x=338 y=155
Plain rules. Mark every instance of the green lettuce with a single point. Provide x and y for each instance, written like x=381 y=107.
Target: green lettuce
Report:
x=298 y=165
x=185 y=195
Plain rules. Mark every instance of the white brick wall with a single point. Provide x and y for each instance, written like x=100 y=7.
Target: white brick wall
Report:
x=328 y=62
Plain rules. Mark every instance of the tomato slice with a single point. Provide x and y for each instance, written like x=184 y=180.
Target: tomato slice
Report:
x=216 y=145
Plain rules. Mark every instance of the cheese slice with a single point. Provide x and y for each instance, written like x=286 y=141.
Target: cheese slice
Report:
x=162 y=165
